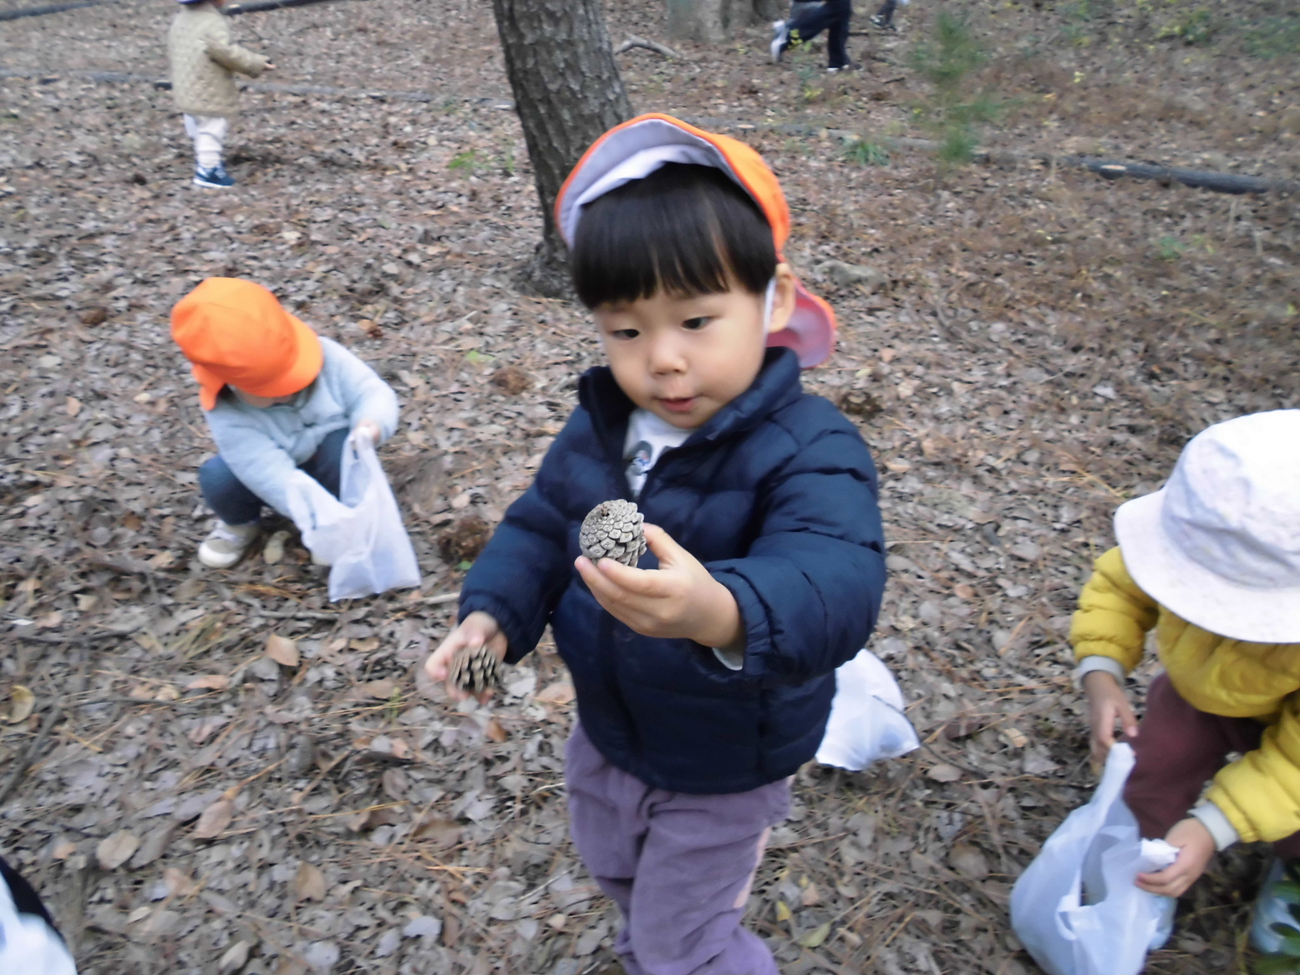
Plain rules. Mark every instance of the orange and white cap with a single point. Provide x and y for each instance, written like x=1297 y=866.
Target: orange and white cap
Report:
x=638 y=147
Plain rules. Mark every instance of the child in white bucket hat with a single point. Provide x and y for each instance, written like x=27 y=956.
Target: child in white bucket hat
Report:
x=1212 y=563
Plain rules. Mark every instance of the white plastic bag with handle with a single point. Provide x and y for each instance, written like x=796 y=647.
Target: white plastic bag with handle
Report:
x=27 y=944
x=359 y=534
x=867 y=722
x=1077 y=908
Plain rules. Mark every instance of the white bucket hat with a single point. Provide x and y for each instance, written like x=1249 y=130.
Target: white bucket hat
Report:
x=1219 y=544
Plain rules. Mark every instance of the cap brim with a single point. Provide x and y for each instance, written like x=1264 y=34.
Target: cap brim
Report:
x=810 y=332
x=308 y=359
x=1192 y=591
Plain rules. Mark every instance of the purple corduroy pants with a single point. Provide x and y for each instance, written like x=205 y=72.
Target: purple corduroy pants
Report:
x=679 y=866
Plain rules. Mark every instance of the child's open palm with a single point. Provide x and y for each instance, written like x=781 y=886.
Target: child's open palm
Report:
x=680 y=599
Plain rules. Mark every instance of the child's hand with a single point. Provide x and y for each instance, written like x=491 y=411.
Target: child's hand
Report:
x=371 y=429
x=476 y=629
x=1107 y=704
x=679 y=599
x=1195 y=847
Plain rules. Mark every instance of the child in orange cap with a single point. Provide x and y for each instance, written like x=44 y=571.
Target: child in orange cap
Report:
x=704 y=677
x=277 y=398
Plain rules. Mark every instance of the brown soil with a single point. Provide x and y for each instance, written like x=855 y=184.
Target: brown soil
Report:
x=1044 y=344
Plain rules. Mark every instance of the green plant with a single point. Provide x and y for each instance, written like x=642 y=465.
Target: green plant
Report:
x=1191 y=26
x=865 y=152
x=1273 y=37
x=470 y=161
x=949 y=60
x=1170 y=248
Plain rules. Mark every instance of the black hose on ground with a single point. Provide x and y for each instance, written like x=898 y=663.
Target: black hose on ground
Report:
x=49 y=8
x=232 y=11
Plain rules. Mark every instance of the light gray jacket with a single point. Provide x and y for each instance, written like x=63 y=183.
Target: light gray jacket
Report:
x=203 y=60
x=262 y=447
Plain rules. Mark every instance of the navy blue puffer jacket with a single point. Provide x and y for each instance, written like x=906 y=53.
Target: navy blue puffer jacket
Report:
x=777 y=496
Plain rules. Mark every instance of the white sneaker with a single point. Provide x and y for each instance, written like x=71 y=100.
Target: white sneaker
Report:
x=226 y=544
x=780 y=39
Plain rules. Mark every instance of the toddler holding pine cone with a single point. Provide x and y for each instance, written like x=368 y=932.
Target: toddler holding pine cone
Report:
x=703 y=668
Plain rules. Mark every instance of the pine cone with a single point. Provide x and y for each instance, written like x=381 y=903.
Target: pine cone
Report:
x=612 y=530
x=474 y=669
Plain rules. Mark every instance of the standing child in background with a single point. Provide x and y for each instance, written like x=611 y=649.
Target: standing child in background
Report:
x=832 y=16
x=884 y=17
x=1212 y=562
x=277 y=398
x=203 y=62
x=703 y=680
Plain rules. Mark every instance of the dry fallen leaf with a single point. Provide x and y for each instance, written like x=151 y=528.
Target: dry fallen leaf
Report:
x=235 y=958
x=72 y=406
x=309 y=882
x=968 y=861
x=494 y=731
x=560 y=692
x=214 y=820
x=282 y=650
x=115 y=850
x=21 y=704
x=944 y=773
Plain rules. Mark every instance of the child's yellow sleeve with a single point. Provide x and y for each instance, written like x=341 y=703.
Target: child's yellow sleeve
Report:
x=1114 y=615
x=1260 y=792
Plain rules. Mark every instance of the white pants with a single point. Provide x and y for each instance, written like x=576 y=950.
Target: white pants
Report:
x=209 y=135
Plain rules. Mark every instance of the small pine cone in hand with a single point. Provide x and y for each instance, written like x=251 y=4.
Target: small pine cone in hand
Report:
x=474 y=669
x=612 y=530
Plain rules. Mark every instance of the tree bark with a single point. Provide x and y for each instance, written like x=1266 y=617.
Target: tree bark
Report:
x=567 y=93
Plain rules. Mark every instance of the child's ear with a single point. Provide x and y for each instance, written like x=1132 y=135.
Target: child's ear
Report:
x=783 y=300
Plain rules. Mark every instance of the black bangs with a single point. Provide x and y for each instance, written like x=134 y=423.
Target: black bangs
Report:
x=687 y=230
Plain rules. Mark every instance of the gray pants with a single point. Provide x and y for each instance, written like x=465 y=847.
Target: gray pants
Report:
x=678 y=866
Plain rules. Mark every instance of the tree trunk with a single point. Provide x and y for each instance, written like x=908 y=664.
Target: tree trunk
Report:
x=567 y=93
x=711 y=21
x=705 y=21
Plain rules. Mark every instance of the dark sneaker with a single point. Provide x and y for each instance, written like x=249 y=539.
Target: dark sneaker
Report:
x=780 y=40
x=215 y=178
x=842 y=67
x=883 y=24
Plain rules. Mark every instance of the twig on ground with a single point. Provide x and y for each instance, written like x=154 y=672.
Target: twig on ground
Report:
x=635 y=41
x=28 y=757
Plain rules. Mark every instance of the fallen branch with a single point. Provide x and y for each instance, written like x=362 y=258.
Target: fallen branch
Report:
x=634 y=41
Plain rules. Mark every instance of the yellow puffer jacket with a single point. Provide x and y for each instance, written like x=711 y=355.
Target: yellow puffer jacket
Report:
x=1260 y=792
x=203 y=60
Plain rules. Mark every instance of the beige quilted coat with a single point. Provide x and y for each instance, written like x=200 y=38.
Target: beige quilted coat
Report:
x=203 y=61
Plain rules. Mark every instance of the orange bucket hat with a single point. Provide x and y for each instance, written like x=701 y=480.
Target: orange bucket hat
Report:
x=638 y=147
x=235 y=332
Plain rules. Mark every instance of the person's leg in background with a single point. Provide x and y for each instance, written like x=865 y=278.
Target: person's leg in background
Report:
x=209 y=135
x=884 y=17
x=837 y=34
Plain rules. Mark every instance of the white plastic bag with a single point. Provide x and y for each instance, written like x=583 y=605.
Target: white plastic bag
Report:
x=1076 y=908
x=360 y=533
x=28 y=944
x=867 y=721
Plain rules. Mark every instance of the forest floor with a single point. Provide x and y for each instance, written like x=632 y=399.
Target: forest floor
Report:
x=1035 y=346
